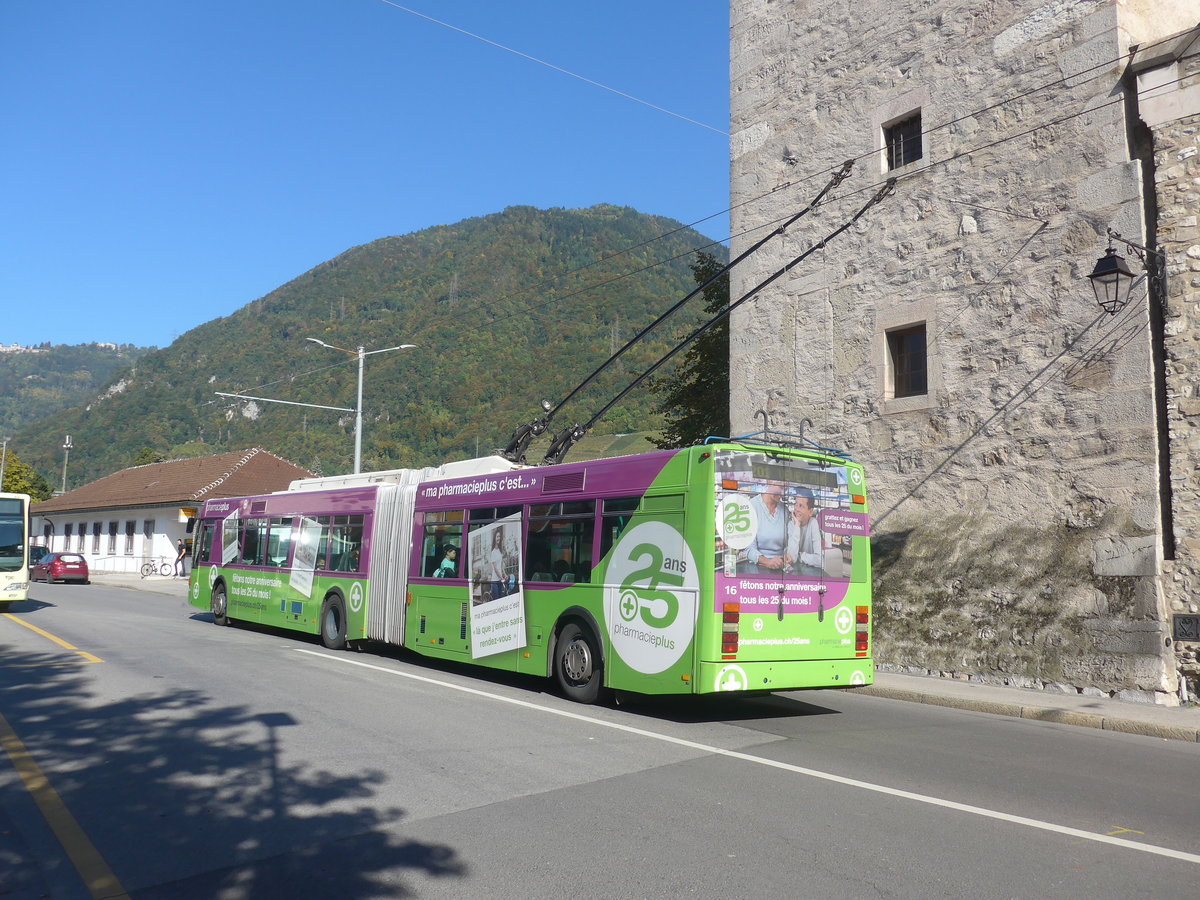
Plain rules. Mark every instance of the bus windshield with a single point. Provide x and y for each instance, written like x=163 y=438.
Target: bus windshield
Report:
x=12 y=534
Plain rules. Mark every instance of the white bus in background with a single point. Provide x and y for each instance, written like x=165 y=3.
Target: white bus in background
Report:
x=14 y=548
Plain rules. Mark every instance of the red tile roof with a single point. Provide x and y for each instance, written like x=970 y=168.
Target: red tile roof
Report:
x=189 y=481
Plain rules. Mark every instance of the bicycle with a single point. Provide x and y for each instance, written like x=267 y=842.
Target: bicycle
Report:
x=162 y=567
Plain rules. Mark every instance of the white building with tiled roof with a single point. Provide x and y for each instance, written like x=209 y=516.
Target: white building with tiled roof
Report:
x=124 y=519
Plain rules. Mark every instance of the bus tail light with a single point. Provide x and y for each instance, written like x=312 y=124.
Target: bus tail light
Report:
x=862 y=619
x=731 y=616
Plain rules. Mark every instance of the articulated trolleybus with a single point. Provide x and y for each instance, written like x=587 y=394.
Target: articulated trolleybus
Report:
x=725 y=567
x=14 y=548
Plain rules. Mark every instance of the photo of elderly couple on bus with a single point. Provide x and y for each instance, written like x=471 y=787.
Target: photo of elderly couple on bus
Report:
x=788 y=541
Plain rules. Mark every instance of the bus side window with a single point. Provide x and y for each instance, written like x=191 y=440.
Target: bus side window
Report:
x=253 y=542
x=440 y=531
x=559 y=543
x=616 y=515
x=345 y=543
x=279 y=544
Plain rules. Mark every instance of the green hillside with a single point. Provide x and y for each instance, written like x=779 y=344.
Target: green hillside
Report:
x=506 y=309
x=38 y=382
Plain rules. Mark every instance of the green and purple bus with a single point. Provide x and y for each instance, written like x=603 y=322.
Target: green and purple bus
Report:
x=725 y=567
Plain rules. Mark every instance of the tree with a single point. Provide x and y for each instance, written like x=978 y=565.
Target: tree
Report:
x=20 y=478
x=148 y=455
x=694 y=399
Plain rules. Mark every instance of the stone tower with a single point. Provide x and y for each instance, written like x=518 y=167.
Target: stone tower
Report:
x=1034 y=459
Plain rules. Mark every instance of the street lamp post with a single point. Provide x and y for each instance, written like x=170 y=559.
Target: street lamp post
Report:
x=67 y=445
x=362 y=354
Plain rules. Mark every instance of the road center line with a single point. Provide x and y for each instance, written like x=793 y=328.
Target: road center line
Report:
x=93 y=870
x=48 y=636
x=787 y=767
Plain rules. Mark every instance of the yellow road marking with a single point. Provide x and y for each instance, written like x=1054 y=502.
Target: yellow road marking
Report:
x=48 y=636
x=1117 y=829
x=97 y=876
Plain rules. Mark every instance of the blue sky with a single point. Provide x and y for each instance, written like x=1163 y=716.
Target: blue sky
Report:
x=167 y=163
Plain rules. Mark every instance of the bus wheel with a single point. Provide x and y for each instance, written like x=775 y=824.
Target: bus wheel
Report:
x=577 y=664
x=333 y=623
x=219 y=605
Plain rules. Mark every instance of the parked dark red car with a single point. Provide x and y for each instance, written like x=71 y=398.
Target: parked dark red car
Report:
x=60 y=567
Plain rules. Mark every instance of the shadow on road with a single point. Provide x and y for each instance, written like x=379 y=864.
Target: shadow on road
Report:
x=185 y=796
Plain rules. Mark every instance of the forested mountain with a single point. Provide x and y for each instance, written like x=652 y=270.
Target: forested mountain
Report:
x=505 y=310
x=37 y=382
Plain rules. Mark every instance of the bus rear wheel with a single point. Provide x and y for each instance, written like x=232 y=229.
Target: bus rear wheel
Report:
x=577 y=664
x=333 y=623
x=219 y=605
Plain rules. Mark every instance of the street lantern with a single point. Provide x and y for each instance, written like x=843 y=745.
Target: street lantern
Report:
x=1111 y=280
x=361 y=353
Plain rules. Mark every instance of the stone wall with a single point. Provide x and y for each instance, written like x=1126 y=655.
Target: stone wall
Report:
x=1016 y=506
x=1176 y=136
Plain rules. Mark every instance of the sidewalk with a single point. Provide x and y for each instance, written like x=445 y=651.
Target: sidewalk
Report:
x=1169 y=723
x=158 y=584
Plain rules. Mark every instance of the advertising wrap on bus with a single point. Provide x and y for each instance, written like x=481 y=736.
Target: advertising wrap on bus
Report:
x=784 y=533
x=715 y=568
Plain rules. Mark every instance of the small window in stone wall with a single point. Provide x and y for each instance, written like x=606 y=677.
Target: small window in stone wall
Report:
x=902 y=140
x=907 y=355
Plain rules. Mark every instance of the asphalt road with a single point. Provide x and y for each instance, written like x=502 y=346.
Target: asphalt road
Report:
x=149 y=752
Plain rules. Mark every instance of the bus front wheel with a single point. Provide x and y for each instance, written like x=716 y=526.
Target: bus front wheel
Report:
x=219 y=605
x=577 y=664
x=333 y=623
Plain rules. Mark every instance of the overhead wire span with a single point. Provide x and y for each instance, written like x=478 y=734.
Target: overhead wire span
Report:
x=870 y=186
x=1104 y=65
x=542 y=62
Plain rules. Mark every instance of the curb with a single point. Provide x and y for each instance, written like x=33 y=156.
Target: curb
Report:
x=1040 y=713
